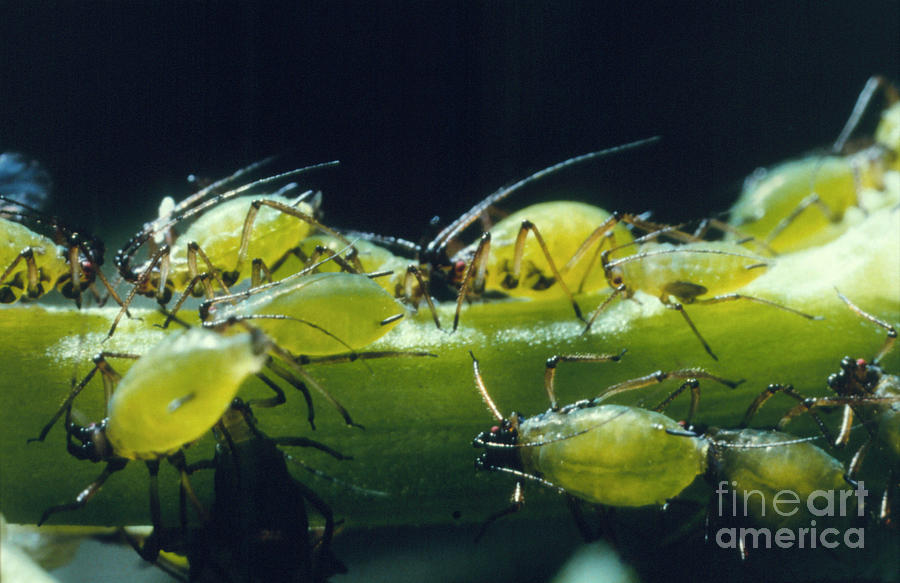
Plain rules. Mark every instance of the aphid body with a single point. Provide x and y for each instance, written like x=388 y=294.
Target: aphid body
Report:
x=31 y=263
x=564 y=225
x=176 y=392
x=315 y=314
x=802 y=203
x=610 y=454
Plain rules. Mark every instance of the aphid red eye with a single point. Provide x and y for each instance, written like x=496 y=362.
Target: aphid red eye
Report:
x=861 y=362
x=459 y=267
x=495 y=429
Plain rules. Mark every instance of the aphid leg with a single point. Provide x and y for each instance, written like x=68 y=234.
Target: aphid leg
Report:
x=660 y=376
x=159 y=258
x=474 y=271
x=188 y=292
x=724 y=227
x=618 y=290
x=288 y=210
x=512 y=279
x=733 y=297
x=111 y=377
x=680 y=308
x=413 y=273
x=517 y=500
x=811 y=200
x=297 y=371
x=768 y=393
x=279 y=398
x=324 y=543
x=891 y=331
x=34 y=288
x=193 y=250
x=695 y=400
x=85 y=495
x=553 y=361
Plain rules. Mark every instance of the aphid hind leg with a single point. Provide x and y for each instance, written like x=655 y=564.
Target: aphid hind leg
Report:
x=770 y=392
x=660 y=376
x=735 y=296
x=694 y=386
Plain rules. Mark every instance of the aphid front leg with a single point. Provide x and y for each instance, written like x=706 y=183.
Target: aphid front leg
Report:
x=680 y=309
x=85 y=495
x=517 y=500
x=474 y=275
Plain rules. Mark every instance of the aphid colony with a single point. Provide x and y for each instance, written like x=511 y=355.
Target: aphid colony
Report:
x=600 y=453
x=279 y=287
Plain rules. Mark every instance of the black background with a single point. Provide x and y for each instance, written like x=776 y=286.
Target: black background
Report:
x=429 y=105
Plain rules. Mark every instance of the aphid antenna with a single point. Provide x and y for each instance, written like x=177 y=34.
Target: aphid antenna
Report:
x=795 y=441
x=485 y=396
x=495 y=445
x=760 y=261
x=368 y=492
x=527 y=476
x=891 y=331
x=862 y=104
x=437 y=246
x=184 y=209
x=406 y=248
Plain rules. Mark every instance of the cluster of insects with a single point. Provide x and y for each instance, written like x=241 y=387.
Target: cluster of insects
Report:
x=260 y=287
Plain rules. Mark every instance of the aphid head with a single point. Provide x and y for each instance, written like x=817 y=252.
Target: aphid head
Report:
x=616 y=277
x=856 y=377
x=94 y=445
x=88 y=252
x=500 y=446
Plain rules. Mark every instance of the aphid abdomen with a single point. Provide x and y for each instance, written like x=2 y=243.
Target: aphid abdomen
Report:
x=218 y=233
x=624 y=457
x=321 y=313
x=49 y=258
x=178 y=390
x=564 y=226
x=797 y=468
x=684 y=271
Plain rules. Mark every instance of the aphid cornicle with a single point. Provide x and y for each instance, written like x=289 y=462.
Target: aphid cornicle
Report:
x=32 y=264
x=802 y=203
x=705 y=272
x=232 y=231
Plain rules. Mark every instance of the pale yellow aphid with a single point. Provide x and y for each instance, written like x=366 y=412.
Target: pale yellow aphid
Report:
x=564 y=226
x=314 y=314
x=176 y=392
x=803 y=203
x=30 y=263
x=702 y=272
x=236 y=235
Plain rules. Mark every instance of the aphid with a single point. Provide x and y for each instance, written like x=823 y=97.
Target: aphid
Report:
x=314 y=314
x=33 y=263
x=864 y=391
x=235 y=226
x=171 y=396
x=802 y=203
x=703 y=273
x=603 y=454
